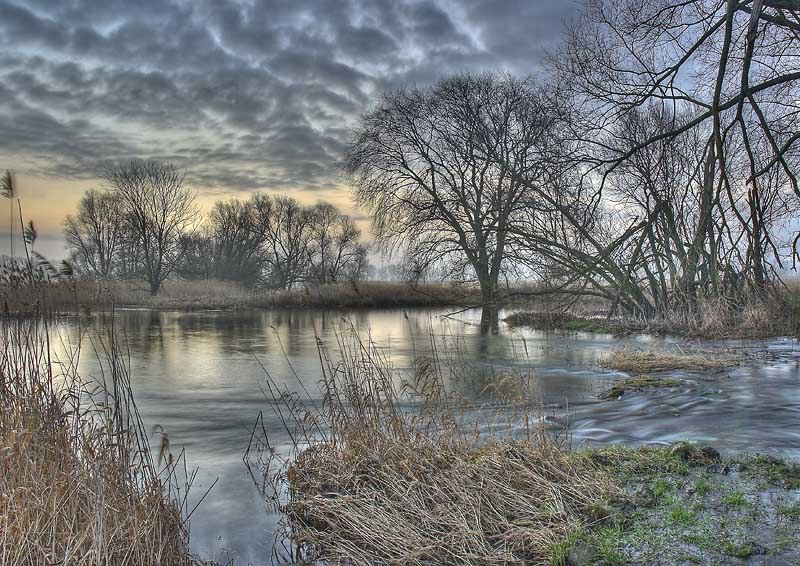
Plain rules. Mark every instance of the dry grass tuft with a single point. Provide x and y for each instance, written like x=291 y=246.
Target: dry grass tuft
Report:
x=638 y=383
x=503 y=502
x=78 y=484
x=638 y=361
x=377 y=478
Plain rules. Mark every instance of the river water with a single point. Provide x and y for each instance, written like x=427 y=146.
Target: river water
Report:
x=197 y=375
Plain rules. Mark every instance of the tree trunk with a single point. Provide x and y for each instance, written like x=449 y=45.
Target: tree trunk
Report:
x=489 y=297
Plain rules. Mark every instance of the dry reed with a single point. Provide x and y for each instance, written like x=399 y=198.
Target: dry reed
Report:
x=392 y=472
x=78 y=483
x=72 y=294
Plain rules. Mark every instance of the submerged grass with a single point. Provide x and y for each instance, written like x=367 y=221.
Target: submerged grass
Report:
x=638 y=383
x=641 y=362
x=383 y=473
x=78 y=483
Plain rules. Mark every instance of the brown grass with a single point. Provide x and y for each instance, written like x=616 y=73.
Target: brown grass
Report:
x=70 y=295
x=639 y=361
x=776 y=312
x=380 y=479
x=78 y=484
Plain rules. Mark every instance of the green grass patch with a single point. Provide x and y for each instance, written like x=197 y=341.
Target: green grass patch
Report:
x=738 y=549
x=702 y=487
x=681 y=505
x=774 y=471
x=682 y=516
x=735 y=499
x=790 y=511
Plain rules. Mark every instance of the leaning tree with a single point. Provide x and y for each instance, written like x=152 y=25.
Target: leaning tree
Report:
x=422 y=162
x=648 y=79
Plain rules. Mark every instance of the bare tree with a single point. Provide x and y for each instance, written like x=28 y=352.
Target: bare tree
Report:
x=239 y=241
x=94 y=235
x=335 y=251
x=285 y=227
x=201 y=257
x=159 y=208
x=424 y=162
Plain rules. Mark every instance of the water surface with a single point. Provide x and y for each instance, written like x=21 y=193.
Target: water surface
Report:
x=197 y=375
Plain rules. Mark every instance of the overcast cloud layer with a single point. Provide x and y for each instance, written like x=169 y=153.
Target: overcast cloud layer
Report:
x=243 y=94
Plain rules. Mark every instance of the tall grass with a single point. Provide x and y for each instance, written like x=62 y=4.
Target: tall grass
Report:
x=78 y=481
x=385 y=471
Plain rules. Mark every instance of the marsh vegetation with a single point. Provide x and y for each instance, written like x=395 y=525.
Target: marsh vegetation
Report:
x=80 y=483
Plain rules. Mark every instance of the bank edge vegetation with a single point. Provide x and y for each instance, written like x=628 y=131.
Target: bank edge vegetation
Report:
x=79 y=482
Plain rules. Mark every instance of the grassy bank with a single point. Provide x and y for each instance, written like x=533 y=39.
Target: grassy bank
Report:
x=777 y=313
x=684 y=504
x=78 y=484
x=405 y=473
x=70 y=295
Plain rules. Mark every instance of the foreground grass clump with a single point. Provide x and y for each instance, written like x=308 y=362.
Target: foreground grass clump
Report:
x=383 y=476
x=422 y=503
x=77 y=482
x=639 y=361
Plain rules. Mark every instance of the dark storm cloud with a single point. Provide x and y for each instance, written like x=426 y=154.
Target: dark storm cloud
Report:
x=257 y=94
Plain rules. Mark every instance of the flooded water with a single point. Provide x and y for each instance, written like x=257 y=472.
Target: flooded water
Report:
x=197 y=375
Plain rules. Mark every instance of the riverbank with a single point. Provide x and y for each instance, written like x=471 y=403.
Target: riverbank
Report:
x=529 y=502
x=75 y=295
x=775 y=314
x=78 y=483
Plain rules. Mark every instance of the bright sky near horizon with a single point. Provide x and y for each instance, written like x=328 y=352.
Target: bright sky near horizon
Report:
x=244 y=95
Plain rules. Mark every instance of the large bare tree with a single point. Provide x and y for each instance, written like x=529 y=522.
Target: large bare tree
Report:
x=159 y=209
x=423 y=161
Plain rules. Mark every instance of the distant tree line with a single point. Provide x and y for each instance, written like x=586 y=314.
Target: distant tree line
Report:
x=145 y=225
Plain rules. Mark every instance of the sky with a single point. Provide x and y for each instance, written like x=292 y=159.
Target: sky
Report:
x=243 y=95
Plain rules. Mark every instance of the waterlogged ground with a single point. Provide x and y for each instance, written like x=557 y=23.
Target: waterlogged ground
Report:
x=197 y=376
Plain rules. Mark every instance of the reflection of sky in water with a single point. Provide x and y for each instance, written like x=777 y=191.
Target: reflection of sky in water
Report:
x=196 y=374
